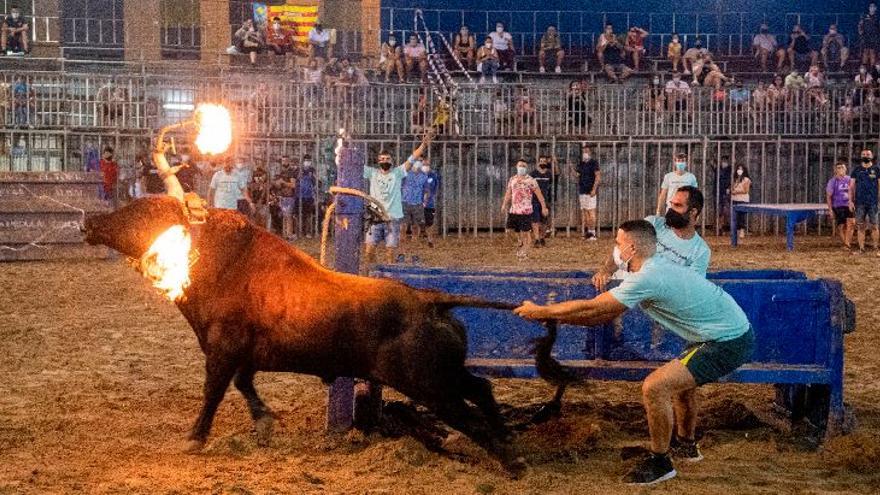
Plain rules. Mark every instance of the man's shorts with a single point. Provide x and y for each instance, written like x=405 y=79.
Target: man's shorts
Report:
x=866 y=214
x=709 y=361
x=287 y=204
x=587 y=202
x=388 y=232
x=519 y=223
x=429 y=217
x=319 y=51
x=841 y=214
x=413 y=214
x=305 y=205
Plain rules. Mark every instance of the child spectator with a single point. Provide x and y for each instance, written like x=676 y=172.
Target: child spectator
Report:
x=518 y=197
x=838 y=199
x=673 y=52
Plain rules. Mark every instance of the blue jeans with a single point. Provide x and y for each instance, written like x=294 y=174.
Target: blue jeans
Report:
x=490 y=67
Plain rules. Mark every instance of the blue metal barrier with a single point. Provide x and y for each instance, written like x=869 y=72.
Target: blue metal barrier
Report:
x=799 y=325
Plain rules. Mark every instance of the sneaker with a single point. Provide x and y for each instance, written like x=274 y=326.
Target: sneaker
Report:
x=542 y=70
x=482 y=79
x=651 y=469
x=685 y=450
x=494 y=79
x=558 y=70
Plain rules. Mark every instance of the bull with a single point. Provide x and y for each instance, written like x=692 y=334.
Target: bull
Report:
x=258 y=304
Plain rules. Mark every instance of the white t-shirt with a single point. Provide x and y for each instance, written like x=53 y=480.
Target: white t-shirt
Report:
x=681 y=87
x=672 y=182
x=228 y=189
x=321 y=39
x=766 y=41
x=501 y=41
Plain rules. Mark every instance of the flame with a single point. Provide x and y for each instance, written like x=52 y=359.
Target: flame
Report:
x=215 y=128
x=166 y=263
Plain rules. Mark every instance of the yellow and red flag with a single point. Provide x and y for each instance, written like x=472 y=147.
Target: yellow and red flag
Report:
x=298 y=17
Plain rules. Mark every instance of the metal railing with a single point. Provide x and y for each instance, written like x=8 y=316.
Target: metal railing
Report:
x=266 y=106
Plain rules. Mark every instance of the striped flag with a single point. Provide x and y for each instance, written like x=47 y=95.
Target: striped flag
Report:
x=298 y=17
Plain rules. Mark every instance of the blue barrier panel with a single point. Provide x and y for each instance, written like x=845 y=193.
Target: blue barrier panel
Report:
x=799 y=325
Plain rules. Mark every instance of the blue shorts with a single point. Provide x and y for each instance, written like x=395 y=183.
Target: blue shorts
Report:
x=866 y=214
x=287 y=204
x=388 y=232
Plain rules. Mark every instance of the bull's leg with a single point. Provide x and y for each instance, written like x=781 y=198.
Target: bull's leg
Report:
x=218 y=374
x=260 y=413
x=479 y=391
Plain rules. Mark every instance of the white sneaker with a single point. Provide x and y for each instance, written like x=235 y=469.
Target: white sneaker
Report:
x=482 y=79
x=741 y=233
x=542 y=70
x=494 y=79
x=558 y=70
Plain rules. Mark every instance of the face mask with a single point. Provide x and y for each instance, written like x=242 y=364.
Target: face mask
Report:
x=586 y=156
x=521 y=170
x=239 y=166
x=739 y=173
x=865 y=159
x=392 y=42
x=675 y=40
x=676 y=220
x=307 y=163
x=680 y=166
x=499 y=29
x=489 y=46
x=832 y=31
x=15 y=15
x=385 y=166
x=464 y=32
x=656 y=81
x=350 y=70
x=872 y=9
x=676 y=79
x=425 y=169
x=626 y=262
x=862 y=70
x=276 y=26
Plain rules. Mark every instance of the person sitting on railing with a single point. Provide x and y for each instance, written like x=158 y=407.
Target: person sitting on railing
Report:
x=739 y=96
x=391 y=59
x=576 y=107
x=503 y=42
x=24 y=103
x=869 y=35
x=692 y=54
x=847 y=113
x=278 y=38
x=863 y=81
x=606 y=37
x=799 y=49
x=763 y=44
x=14 y=33
x=615 y=68
x=814 y=81
x=635 y=45
x=655 y=98
x=776 y=93
x=319 y=43
x=707 y=73
x=488 y=61
x=550 y=43
x=249 y=40
x=414 y=53
x=525 y=110
x=678 y=92
x=673 y=52
x=759 y=97
x=834 y=48
x=465 y=47
x=350 y=75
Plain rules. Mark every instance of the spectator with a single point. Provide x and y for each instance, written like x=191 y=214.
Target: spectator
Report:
x=606 y=37
x=391 y=59
x=521 y=188
x=414 y=201
x=259 y=191
x=306 y=191
x=722 y=205
x=655 y=97
x=278 y=38
x=763 y=44
x=545 y=174
x=799 y=48
x=465 y=46
x=834 y=49
x=674 y=180
x=759 y=97
x=284 y=187
x=313 y=73
x=350 y=75
x=863 y=82
x=707 y=73
x=249 y=40
x=589 y=176
x=432 y=187
x=550 y=43
x=740 y=96
x=24 y=102
x=838 y=198
x=488 y=61
x=319 y=43
x=149 y=182
x=503 y=42
x=673 y=52
x=869 y=35
x=739 y=194
x=14 y=35
x=814 y=81
x=794 y=81
x=635 y=45
x=5 y=105
x=414 y=53
x=576 y=107
x=615 y=68
x=112 y=99
x=847 y=113
x=524 y=108
x=228 y=186
x=678 y=93
x=863 y=200
x=692 y=54
x=385 y=186
x=776 y=92
x=187 y=173
x=419 y=121
x=109 y=174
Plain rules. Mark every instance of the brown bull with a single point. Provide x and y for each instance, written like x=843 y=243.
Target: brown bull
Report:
x=258 y=304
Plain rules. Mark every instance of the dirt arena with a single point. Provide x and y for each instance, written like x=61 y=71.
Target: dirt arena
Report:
x=102 y=379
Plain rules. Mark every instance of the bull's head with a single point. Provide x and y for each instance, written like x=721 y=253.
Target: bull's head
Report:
x=132 y=229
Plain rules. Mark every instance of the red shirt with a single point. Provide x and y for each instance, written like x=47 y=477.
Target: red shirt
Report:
x=110 y=172
x=279 y=38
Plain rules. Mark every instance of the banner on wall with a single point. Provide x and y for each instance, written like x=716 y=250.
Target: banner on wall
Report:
x=297 y=16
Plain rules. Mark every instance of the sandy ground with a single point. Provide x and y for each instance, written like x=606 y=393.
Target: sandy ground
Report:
x=102 y=379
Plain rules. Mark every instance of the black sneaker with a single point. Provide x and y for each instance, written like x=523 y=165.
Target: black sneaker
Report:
x=651 y=469
x=685 y=450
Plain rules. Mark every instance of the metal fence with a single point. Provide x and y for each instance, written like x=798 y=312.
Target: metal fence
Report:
x=266 y=105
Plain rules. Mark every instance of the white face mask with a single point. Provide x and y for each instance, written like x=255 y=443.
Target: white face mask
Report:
x=392 y=42
x=350 y=70
x=488 y=46
x=425 y=169
x=739 y=172
x=277 y=26
x=626 y=261
x=15 y=15
x=307 y=163
x=239 y=165
x=586 y=156
x=675 y=40
x=499 y=29
x=521 y=170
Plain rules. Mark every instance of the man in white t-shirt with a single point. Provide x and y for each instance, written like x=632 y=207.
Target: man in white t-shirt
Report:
x=764 y=44
x=678 y=93
x=319 y=43
x=502 y=41
x=228 y=186
x=672 y=181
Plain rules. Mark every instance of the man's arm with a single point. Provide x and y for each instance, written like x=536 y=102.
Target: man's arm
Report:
x=596 y=183
x=540 y=196
x=661 y=200
x=417 y=153
x=852 y=194
x=588 y=312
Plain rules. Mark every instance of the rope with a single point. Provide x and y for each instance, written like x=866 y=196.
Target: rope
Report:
x=36 y=242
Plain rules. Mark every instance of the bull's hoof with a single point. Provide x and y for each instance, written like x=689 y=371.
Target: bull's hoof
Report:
x=263 y=428
x=193 y=446
x=517 y=468
x=548 y=411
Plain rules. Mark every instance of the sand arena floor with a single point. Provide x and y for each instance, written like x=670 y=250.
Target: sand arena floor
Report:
x=101 y=379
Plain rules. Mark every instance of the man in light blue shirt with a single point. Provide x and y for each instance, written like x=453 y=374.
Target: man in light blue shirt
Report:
x=688 y=305
x=674 y=180
x=386 y=186
x=414 y=200
x=228 y=186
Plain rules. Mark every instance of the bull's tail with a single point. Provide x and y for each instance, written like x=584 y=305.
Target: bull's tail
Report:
x=547 y=366
x=444 y=301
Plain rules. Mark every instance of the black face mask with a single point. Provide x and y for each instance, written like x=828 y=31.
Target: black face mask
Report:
x=676 y=220
x=385 y=166
x=865 y=159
